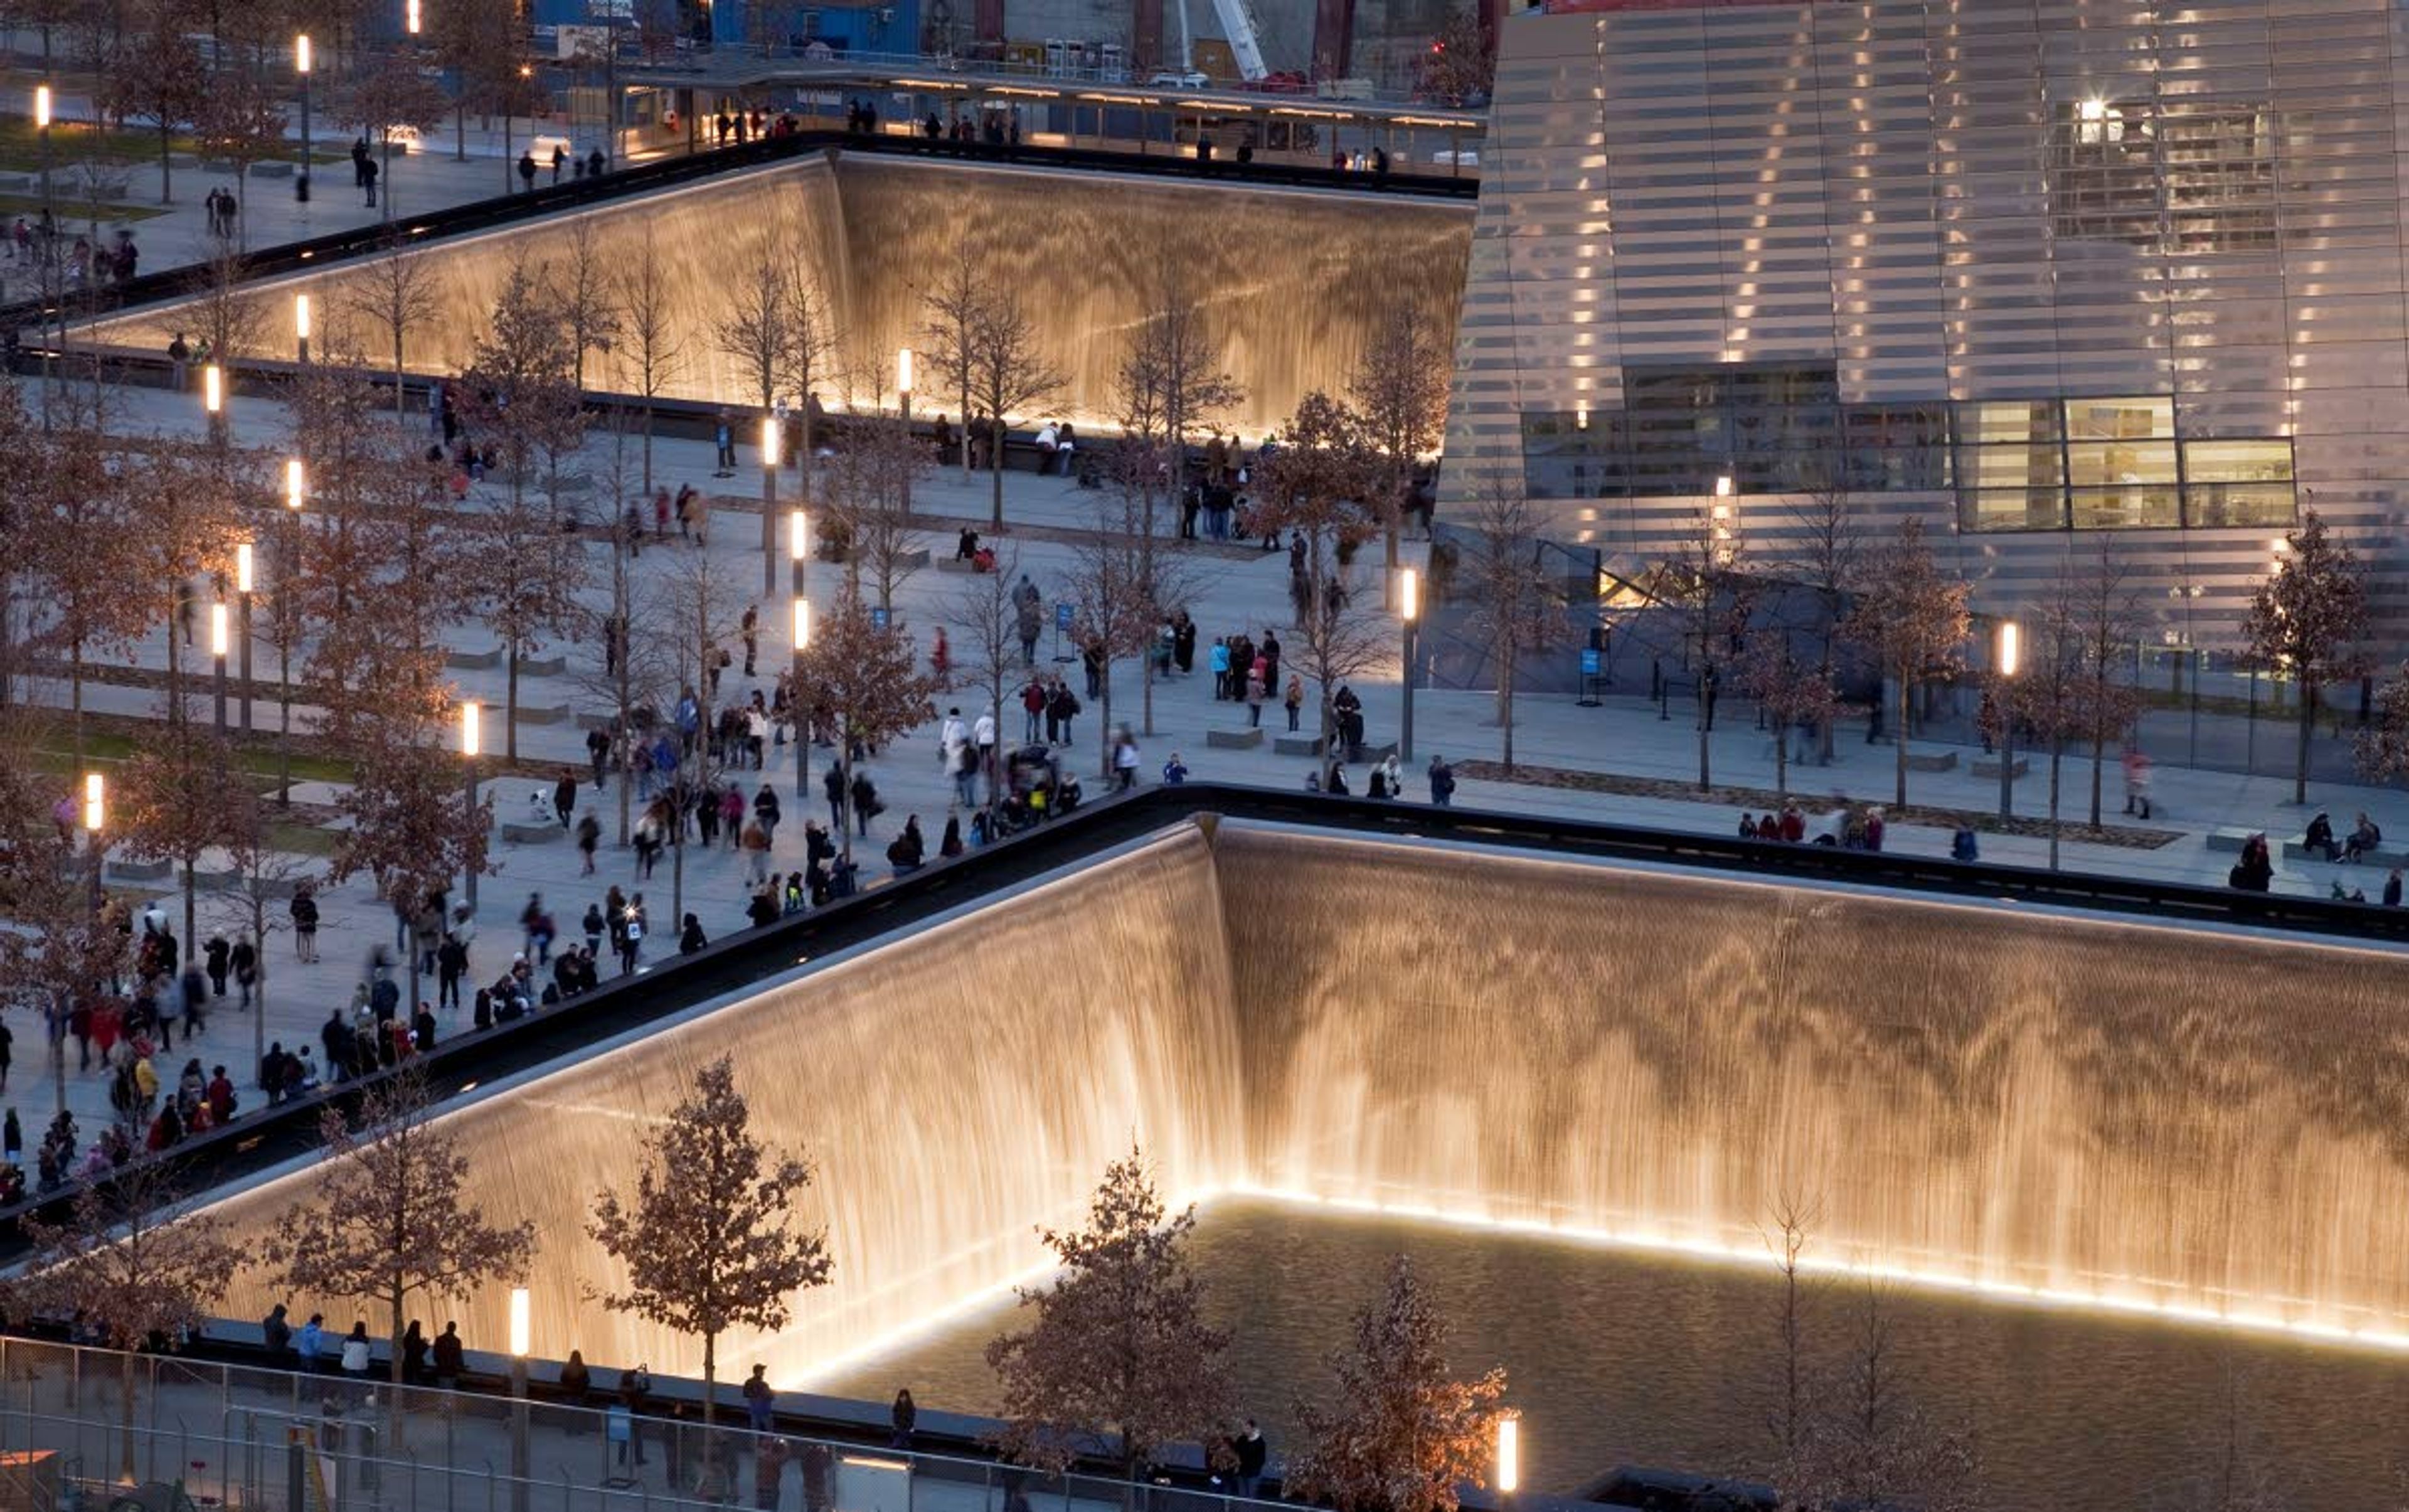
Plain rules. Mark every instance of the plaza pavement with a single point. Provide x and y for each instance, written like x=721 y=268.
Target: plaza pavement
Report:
x=1238 y=590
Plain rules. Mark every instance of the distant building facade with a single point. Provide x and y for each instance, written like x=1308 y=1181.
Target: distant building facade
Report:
x=2046 y=273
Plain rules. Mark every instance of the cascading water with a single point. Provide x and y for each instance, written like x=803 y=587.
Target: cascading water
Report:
x=955 y=1092
x=1293 y=283
x=2185 y=1120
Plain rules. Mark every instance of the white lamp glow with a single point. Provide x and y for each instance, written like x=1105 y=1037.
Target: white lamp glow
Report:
x=472 y=716
x=95 y=799
x=522 y=1325
x=1509 y=1453
x=242 y=579
x=292 y=489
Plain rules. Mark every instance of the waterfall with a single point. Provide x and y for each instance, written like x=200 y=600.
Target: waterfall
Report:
x=2187 y=1119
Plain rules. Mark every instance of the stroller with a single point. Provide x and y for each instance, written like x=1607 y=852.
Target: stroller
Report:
x=1037 y=788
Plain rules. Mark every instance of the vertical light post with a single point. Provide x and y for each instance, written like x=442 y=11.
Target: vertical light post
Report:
x=799 y=550
x=801 y=707
x=521 y=1329
x=471 y=746
x=221 y=642
x=301 y=61
x=288 y=612
x=769 y=442
x=411 y=20
x=301 y=327
x=46 y=245
x=1509 y=1456
x=2006 y=661
x=1409 y=610
x=213 y=402
x=95 y=818
x=243 y=583
x=904 y=391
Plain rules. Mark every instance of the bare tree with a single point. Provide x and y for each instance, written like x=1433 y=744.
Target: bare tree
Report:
x=81 y=529
x=1402 y=1432
x=868 y=492
x=394 y=293
x=1789 y=1417
x=157 y=75
x=1827 y=545
x=387 y=97
x=133 y=1265
x=1874 y=1445
x=1118 y=1344
x=1698 y=582
x=2309 y=619
x=707 y=1241
x=1517 y=606
x=2100 y=610
x=1911 y=618
x=653 y=351
x=1009 y=371
x=389 y=1217
x=1113 y=612
x=954 y=304
x=228 y=315
x=525 y=572
x=517 y=388
x=412 y=827
x=586 y=298
x=239 y=121
x=1399 y=387
x=1793 y=687
x=986 y=622
x=1314 y=487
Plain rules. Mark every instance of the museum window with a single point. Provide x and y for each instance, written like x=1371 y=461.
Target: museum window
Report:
x=2178 y=175
x=2111 y=463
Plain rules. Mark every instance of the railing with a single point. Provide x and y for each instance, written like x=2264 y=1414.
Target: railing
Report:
x=279 y=1441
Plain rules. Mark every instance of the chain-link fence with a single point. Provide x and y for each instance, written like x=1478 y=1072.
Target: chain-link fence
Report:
x=84 y=1429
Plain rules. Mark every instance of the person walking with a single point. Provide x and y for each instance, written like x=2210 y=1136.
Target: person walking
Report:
x=589 y=838
x=1252 y=1454
x=1293 y=699
x=902 y=1416
x=564 y=796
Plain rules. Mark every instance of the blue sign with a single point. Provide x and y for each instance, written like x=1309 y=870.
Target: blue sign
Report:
x=877 y=617
x=1593 y=662
x=1062 y=617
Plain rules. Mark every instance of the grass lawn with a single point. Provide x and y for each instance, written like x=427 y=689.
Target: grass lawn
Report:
x=72 y=215
x=106 y=747
x=20 y=145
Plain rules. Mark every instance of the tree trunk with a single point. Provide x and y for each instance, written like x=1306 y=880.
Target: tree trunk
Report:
x=510 y=704
x=190 y=945
x=125 y=1373
x=166 y=141
x=648 y=446
x=995 y=470
x=1706 y=738
x=710 y=1388
x=1899 y=738
x=2308 y=722
x=1780 y=760
x=74 y=682
x=392 y=1416
x=2057 y=749
x=2099 y=746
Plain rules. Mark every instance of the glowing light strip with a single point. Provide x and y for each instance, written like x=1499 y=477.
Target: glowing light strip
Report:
x=1756 y=1257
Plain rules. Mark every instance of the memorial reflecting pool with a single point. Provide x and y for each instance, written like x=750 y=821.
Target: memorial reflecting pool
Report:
x=2110 y=1114
x=1619 y=1357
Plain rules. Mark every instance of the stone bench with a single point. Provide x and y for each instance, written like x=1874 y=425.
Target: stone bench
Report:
x=543 y=665
x=271 y=170
x=956 y=564
x=235 y=882
x=1373 y=751
x=138 y=871
x=2231 y=838
x=2383 y=857
x=514 y=833
x=1989 y=766
x=1298 y=745
x=474 y=661
x=1234 y=740
x=1941 y=761
x=545 y=713
x=605 y=722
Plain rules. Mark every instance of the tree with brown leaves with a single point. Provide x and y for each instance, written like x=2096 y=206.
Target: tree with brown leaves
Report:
x=178 y=798
x=708 y=1241
x=517 y=391
x=412 y=828
x=1118 y=1345
x=389 y=95
x=137 y=1266
x=1010 y=371
x=1403 y=1433
x=863 y=683
x=389 y=1217
x=1911 y=617
x=867 y=494
x=83 y=544
x=155 y=74
x=2309 y=620
x=240 y=121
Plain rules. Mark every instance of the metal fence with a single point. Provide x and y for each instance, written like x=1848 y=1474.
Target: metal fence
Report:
x=276 y=1441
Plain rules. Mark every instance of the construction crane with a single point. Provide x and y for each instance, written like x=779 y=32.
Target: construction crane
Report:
x=1238 y=25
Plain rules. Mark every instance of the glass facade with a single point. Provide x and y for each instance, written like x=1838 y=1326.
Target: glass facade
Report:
x=2018 y=268
x=2084 y=464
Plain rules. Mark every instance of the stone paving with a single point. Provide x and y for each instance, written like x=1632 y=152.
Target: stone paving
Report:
x=1237 y=590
